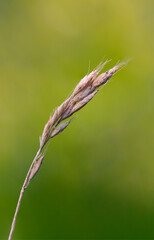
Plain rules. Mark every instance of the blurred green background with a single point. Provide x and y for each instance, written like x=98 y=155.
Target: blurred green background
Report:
x=97 y=179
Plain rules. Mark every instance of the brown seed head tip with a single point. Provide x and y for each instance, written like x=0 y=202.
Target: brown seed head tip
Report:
x=104 y=77
x=122 y=64
x=100 y=67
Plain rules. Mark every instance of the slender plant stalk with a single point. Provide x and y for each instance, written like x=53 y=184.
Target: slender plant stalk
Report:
x=86 y=89
x=20 y=196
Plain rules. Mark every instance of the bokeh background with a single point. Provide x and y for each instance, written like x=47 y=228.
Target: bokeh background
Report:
x=97 y=179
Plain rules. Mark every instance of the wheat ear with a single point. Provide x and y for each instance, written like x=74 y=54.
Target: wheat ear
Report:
x=86 y=89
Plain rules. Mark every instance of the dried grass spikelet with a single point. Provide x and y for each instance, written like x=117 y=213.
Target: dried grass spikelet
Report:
x=60 y=129
x=36 y=167
x=83 y=102
x=85 y=90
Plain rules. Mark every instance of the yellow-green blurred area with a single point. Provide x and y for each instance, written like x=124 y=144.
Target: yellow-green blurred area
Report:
x=97 y=179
